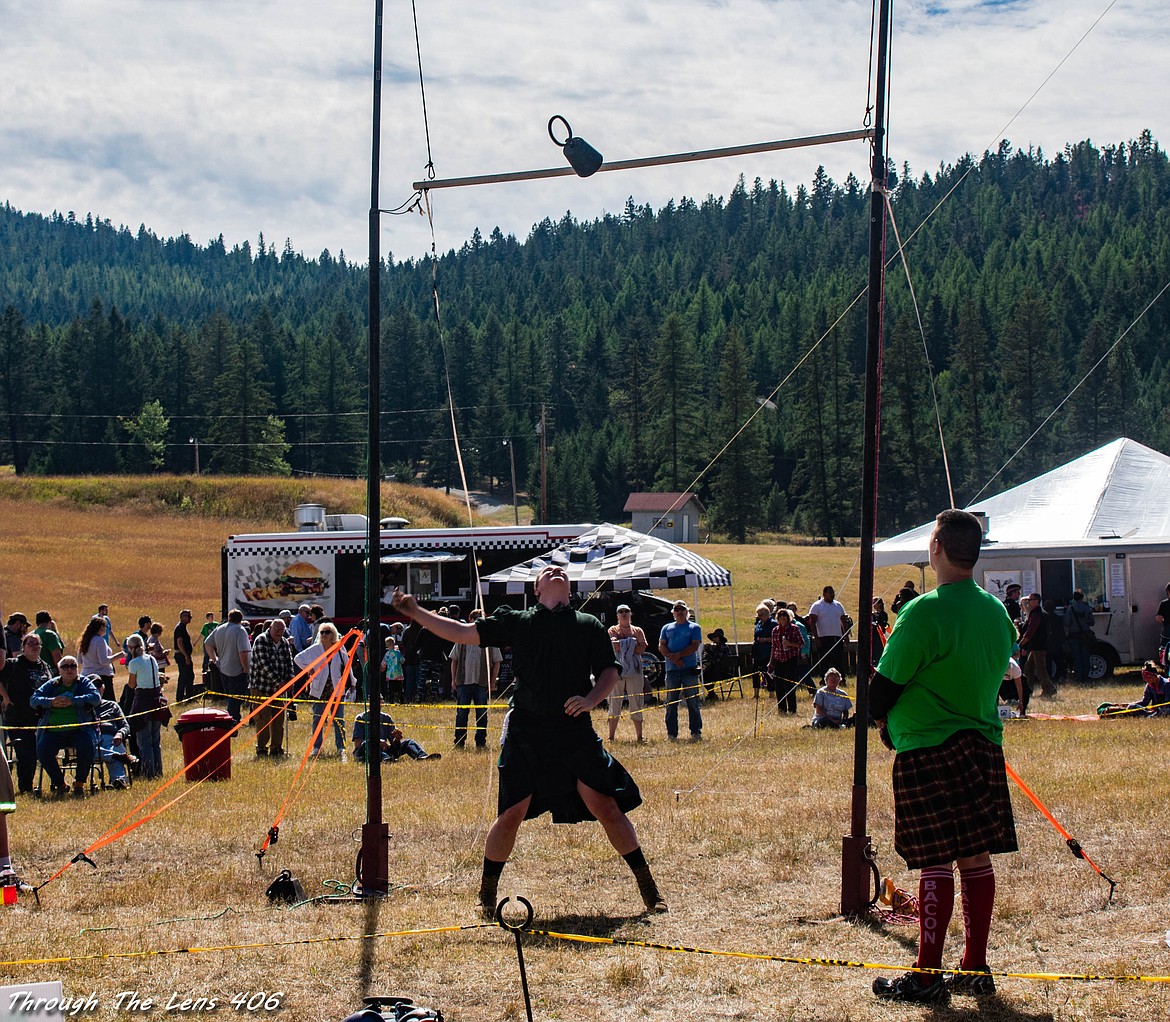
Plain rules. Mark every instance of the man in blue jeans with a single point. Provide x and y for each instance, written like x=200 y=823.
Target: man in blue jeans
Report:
x=679 y=643
x=230 y=650
x=67 y=704
x=474 y=673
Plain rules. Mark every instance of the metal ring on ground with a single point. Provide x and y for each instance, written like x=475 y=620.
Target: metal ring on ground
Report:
x=514 y=927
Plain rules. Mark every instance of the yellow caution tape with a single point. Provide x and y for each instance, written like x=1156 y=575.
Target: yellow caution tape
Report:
x=843 y=963
x=94 y=723
x=241 y=947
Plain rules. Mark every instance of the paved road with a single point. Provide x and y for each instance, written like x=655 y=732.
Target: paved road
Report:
x=485 y=503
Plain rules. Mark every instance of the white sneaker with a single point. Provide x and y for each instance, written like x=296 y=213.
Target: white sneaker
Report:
x=8 y=878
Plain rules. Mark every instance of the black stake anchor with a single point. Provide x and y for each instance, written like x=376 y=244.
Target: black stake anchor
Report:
x=515 y=928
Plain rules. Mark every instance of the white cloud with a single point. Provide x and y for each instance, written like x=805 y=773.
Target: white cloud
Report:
x=241 y=117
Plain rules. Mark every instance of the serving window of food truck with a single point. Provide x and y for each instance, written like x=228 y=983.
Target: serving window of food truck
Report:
x=1058 y=579
x=426 y=573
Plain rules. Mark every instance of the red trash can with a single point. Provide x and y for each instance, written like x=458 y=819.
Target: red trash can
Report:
x=199 y=729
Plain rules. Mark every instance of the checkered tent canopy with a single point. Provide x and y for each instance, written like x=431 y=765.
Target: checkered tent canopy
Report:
x=617 y=559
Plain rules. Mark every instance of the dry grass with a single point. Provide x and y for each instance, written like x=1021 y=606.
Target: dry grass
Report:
x=744 y=831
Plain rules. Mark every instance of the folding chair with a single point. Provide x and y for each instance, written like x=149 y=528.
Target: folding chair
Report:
x=67 y=758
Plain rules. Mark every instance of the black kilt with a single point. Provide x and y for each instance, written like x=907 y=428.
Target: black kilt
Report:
x=545 y=757
x=952 y=801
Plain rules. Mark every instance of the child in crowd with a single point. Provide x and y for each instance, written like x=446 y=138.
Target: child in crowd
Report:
x=392 y=670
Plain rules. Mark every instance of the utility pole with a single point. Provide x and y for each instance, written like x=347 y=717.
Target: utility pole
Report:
x=856 y=849
x=542 y=429
x=195 y=440
x=375 y=853
x=512 y=460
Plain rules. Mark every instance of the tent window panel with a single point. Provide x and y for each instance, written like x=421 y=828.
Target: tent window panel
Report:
x=422 y=580
x=1056 y=581
x=1089 y=576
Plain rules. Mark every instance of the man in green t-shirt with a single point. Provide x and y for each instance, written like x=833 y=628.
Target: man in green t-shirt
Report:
x=551 y=760
x=51 y=645
x=934 y=695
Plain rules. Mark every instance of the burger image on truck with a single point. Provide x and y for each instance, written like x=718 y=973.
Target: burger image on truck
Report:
x=301 y=579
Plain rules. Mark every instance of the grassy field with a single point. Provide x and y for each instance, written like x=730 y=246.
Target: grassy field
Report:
x=744 y=831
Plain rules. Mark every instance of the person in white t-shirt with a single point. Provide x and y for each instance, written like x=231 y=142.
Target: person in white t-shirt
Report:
x=830 y=625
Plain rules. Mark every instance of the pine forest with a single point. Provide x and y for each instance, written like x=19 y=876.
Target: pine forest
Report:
x=646 y=339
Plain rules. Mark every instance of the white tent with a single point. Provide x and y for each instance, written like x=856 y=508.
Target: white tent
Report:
x=1119 y=492
x=620 y=559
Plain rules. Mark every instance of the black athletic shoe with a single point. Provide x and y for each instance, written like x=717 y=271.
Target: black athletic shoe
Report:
x=978 y=982
x=910 y=987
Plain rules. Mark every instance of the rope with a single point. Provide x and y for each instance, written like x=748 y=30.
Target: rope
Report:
x=450 y=393
x=91 y=724
x=925 y=350
x=326 y=719
x=582 y=939
x=422 y=88
x=1011 y=120
x=843 y=963
x=122 y=828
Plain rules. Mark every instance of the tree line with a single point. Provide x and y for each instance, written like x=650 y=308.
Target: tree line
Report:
x=715 y=344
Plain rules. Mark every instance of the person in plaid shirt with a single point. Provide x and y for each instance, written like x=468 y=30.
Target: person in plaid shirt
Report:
x=787 y=642
x=271 y=666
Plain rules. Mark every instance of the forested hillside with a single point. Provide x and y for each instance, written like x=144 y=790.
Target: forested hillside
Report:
x=649 y=338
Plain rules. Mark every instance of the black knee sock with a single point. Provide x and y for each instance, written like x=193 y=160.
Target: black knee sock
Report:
x=635 y=859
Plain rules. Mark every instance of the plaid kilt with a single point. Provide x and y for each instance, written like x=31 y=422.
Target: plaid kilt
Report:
x=952 y=801
x=545 y=757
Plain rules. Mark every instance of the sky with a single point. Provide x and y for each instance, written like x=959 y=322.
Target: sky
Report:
x=250 y=117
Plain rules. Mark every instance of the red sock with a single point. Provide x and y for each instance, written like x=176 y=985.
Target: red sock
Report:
x=978 y=893
x=936 y=902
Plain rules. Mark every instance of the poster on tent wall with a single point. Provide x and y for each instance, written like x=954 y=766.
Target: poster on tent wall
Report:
x=996 y=582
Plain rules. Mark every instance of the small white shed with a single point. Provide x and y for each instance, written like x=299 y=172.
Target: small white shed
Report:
x=670 y=516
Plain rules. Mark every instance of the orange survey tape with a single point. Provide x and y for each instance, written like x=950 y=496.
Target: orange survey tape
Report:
x=289 y=690
x=325 y=720
x=1074 y=846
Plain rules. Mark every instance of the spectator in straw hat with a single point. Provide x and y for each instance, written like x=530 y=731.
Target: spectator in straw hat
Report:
x=629 y=643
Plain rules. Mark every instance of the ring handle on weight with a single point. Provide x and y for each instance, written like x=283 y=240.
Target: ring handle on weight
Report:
x=514 y=927
x=556 y=141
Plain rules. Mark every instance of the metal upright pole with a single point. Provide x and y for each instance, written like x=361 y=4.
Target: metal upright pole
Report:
x=856 y=850
x=375 y=856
